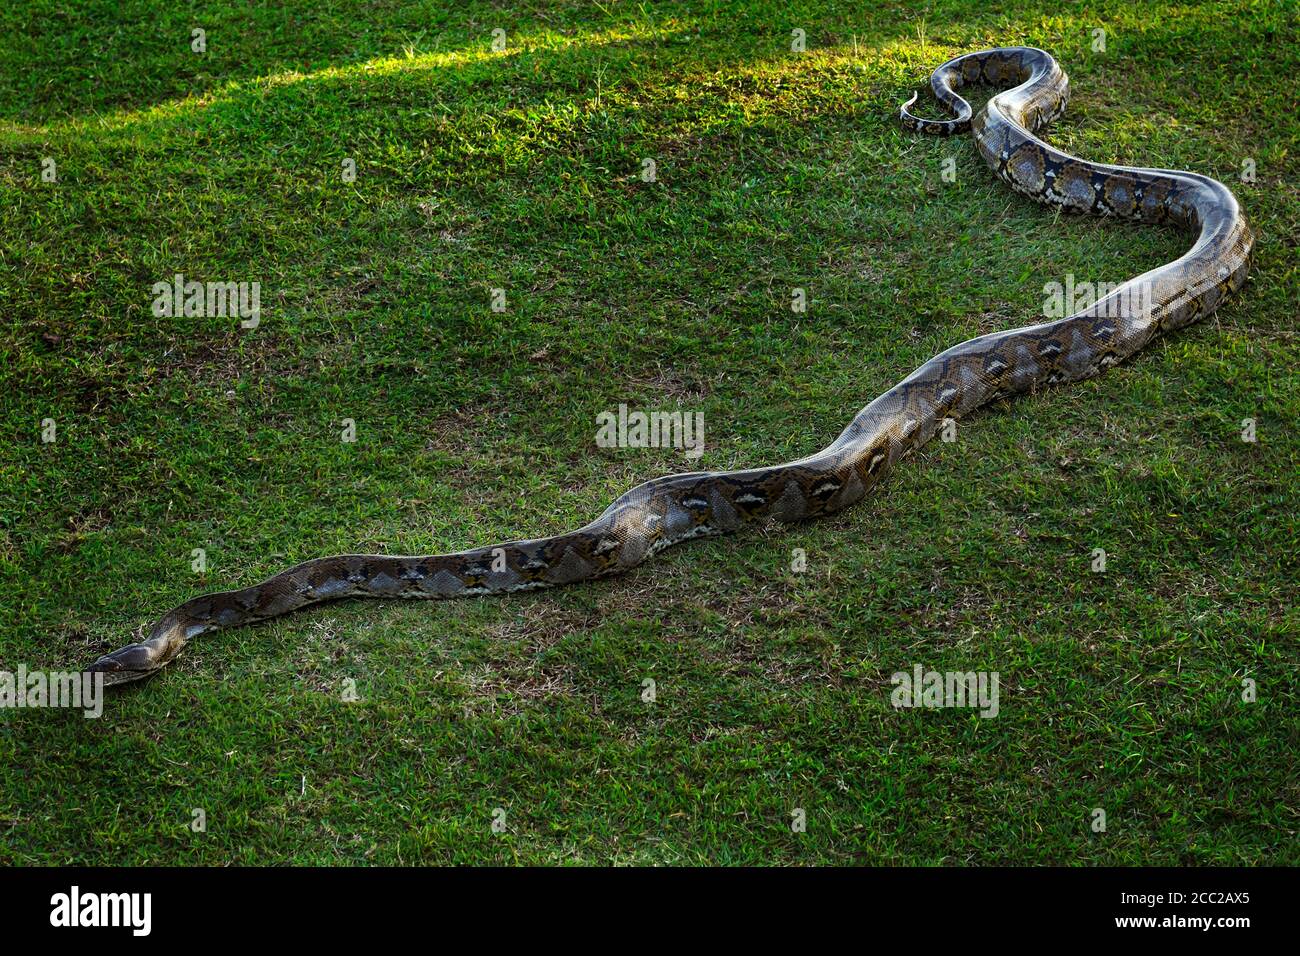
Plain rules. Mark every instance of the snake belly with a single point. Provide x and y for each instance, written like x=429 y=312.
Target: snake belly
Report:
x=676 y=508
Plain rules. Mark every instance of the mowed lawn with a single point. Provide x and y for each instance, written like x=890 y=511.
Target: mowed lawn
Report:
x=521 y=169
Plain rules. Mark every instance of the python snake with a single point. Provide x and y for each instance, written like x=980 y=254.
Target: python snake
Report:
x=676 y=508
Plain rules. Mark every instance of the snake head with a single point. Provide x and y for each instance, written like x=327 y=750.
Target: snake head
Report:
x=136 y=661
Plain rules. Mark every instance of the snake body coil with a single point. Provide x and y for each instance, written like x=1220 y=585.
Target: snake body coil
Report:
x=676 y=508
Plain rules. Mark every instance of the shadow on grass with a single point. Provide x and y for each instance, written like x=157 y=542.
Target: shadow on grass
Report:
x=125 y=56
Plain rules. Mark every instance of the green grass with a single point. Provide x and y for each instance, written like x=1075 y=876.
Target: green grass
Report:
x=519 y=170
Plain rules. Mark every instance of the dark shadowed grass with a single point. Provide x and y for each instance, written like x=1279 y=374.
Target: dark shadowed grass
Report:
x=521 y=170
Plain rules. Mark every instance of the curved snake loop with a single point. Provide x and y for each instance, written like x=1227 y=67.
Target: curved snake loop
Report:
x=676 y=508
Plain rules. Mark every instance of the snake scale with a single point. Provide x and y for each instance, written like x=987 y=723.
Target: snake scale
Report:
x=676 y=508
